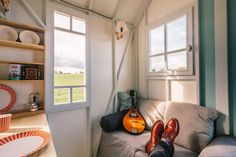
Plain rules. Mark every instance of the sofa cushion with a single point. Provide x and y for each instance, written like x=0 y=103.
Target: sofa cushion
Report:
x=220 y=146
x=151 y=110
x=122 y=144
x=183 y=152
x=196 y=124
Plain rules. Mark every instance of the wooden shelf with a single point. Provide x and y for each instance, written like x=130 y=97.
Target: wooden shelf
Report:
x=17 y=53
x=16 y=62
x=20 y=81
x=22 y=26
x=21 y=45
x=26 y=113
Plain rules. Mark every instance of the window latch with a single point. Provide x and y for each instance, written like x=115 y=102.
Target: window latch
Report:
x=189 y=48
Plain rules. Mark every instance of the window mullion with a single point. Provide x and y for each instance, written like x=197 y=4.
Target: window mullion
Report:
x=155 y=55
x=71 y=97
x=176 y=51
x=69 y=31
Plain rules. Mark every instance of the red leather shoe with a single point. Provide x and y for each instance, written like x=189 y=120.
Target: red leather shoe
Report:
x=171 y=131
x=156 y=132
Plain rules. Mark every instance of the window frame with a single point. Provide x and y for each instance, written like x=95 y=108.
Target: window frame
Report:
x=189 y=42
x=51 y=107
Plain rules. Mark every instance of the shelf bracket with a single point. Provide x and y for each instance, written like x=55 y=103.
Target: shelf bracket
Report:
x=37 y=18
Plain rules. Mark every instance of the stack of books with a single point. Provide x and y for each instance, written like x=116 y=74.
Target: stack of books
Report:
x=25 y=72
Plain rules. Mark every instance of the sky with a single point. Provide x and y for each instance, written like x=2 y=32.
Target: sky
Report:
x=69 y=47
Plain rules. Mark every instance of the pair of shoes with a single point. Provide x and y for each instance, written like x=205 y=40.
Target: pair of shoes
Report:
x=158 y=133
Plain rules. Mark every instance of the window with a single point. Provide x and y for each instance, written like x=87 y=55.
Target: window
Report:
x=170 y=46
x=70 y=84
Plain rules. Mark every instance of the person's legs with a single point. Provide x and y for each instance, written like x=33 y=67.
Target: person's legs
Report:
x=162 y=150
x=165 y=147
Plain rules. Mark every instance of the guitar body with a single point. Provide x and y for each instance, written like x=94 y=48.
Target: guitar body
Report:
x=133 y=122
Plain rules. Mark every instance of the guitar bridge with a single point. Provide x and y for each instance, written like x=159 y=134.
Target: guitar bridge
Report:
x=134 y=130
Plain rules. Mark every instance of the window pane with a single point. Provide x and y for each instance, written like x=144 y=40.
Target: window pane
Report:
x=61 y=20
x=78 y=95
x=157 y=40
x=177 y=61
x=61 y=96
x=69 y=59
x=78 y=25
x=176 y=34
x=157 y=64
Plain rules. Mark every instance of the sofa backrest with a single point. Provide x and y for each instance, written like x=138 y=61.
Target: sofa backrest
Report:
x=152 y=110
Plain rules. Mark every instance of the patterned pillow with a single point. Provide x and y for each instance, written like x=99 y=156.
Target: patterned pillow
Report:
x=124 y=101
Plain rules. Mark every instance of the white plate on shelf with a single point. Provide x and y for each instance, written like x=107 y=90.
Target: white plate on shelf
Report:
x=8 y=33
x=29 y=37
x=24 y=144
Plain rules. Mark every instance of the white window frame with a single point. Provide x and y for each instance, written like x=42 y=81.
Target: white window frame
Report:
x=189 y=44
x=51 y=107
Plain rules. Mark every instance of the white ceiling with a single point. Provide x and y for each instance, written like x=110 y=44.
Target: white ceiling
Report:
x=129 y=10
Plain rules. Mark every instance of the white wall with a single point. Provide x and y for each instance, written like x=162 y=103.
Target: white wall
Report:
x=162 y=8
x=101 y=69
x=19 y=13
x=163 y=88
x=70 y=132
x=126 y=80
x=70 y=129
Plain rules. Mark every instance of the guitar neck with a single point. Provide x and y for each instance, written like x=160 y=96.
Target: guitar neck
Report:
x=133 y=104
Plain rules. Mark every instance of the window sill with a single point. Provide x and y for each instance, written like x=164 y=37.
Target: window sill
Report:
x=67 y=107
x=172 y=77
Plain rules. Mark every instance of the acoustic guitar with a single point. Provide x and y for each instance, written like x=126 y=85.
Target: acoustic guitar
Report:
x=133 y=121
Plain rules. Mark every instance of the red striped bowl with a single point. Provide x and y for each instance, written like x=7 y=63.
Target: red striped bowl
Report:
x=5 y=122
x=24 y=144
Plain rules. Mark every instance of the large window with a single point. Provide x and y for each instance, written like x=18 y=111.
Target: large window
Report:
x=170 y=46
x=69 y=59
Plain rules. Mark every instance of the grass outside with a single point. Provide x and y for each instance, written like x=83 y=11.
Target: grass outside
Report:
x=62 y=95
x=69 y=79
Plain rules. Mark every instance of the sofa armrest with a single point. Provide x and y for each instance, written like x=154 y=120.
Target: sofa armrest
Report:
x=222 y=146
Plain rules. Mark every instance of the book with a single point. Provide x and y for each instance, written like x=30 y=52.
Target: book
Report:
x=15 y=72
x=31 y=72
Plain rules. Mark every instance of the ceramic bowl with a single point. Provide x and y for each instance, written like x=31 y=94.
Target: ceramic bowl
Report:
x=5 y=122
x=8 y=33
x=29 y=37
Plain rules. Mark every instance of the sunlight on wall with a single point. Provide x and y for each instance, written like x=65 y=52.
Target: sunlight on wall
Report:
x=177 y=91
x=184 y=91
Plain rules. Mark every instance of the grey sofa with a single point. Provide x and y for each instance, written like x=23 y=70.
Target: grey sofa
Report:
x=196 y=136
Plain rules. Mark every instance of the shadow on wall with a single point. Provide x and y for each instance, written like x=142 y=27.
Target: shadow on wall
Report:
x=220 y=121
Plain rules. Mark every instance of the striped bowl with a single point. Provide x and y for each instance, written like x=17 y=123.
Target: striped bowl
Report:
x=5 y=122
x=24 y=144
